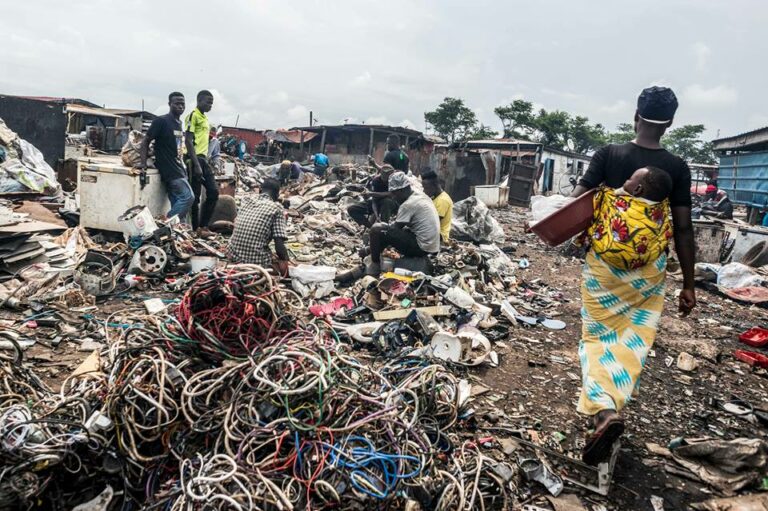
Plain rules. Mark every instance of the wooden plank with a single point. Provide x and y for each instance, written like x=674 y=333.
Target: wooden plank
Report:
x=435 y=310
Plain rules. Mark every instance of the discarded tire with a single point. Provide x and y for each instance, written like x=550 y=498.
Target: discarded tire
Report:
x=757 y=255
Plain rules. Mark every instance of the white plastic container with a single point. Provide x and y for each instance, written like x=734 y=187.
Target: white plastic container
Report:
x=107 y=190
x=202 y=263
x=137 y=222
x=493 y=196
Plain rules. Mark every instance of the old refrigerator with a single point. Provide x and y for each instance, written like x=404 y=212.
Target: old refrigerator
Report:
x=107 y=189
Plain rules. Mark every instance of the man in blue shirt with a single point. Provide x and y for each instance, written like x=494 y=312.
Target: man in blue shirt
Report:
x=321 y=164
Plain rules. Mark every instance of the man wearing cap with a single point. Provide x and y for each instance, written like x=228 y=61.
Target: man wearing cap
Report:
x=621 y=308
x=287 y=171
x=415 y=231
x=378 y=200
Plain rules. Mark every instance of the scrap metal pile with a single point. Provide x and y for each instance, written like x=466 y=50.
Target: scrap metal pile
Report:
x=234 y=401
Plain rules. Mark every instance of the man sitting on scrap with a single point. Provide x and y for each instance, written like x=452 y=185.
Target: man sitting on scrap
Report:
x=379 y=201
x=441 y=200
x=415 y=231
x=260 y=220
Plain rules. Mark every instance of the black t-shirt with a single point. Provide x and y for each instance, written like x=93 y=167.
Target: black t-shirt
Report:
x=398 y=159
x=614 y=164
x=168 y=135
x=377 y=184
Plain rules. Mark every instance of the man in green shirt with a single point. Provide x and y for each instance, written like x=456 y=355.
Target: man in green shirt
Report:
x=200 y=173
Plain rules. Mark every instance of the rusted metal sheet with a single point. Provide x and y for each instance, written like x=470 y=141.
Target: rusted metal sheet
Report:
x=708 y=239
x=520 y=182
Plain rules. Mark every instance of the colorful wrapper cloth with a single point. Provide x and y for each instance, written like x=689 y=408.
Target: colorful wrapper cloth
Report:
x=620 y=316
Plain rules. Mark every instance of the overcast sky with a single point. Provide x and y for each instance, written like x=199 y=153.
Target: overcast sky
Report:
x=387 y=62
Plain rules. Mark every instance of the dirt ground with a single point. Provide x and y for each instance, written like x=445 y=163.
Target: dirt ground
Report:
x=536 y=386
x=539 y=377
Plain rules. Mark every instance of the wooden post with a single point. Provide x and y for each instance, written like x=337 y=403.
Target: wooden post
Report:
x=370 y=144
x=322 y=141
x=301 y=145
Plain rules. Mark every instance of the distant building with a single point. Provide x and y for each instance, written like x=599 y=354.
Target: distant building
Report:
x=352 y=143
x=524 y=166
x=46 y=122
x=559 y=168
x=743 y=168
x=262 y=143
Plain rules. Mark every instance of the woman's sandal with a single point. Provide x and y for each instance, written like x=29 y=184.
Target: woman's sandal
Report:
x=599 y=444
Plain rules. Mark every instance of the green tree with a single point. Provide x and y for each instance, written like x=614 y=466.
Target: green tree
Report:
x=483 y=132
x=624 y=133
x=553 y=128
x=584 y=136
x=452 y=120
x=686 y=142
x=518 y=119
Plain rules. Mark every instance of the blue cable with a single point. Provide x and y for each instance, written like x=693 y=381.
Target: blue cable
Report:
x=363 y=459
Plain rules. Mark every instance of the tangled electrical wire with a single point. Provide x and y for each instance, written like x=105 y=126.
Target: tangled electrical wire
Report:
x=232 y=402
x=229 y=313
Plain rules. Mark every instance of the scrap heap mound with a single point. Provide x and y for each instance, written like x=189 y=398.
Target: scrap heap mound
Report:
x=235 y=400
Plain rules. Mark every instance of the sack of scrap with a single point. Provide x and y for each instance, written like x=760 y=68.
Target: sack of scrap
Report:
x=23 y=167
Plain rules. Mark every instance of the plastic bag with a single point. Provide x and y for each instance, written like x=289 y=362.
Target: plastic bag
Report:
x=312 y=281
x=308 y=273
x=26 y=165
x=542 y=207
x=737 y=275
x=131 y=151
x=472 y=221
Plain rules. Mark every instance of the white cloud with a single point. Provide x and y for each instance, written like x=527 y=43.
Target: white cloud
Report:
x=756 y=121
x=562 y=94
x=354 y=67
x=362 y=79
x=616 y=107
x=702 y=52
x=298 y=114
x=406 y=123
x=718 y=96
x=377 y=119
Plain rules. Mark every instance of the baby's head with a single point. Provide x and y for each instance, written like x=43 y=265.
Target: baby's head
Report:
x=649 y=183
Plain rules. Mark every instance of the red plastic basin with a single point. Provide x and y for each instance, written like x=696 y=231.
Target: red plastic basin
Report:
x=752 y=358
x=568 y=221
x=756 y=337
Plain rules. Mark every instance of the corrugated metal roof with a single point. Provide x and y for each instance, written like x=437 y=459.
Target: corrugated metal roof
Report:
x=495 y=143
x=86 y=110
x=743 y=140
x=51 y=99
x=572 y=154
x=131 y=112
x=292 y=136
x=379 y=127
x=280 y=135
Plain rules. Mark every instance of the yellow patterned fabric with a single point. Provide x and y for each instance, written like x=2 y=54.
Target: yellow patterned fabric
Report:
x=629 y=232
x=620 y=315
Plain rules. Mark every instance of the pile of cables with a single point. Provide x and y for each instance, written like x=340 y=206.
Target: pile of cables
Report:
x=226 y=314
x=50 y=441
x=188 y=412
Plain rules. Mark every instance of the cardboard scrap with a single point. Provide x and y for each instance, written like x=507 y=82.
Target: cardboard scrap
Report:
x=435 y=310
x=569 y=502
x=92 y=364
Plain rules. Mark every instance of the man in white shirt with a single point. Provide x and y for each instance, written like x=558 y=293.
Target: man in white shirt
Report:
x=416 y=229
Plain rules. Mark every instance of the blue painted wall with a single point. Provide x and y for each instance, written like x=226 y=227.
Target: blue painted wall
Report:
x=745 y=178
